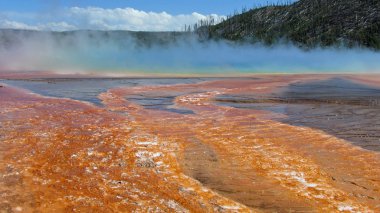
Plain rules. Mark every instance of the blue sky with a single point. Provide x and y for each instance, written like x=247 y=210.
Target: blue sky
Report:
x=222 y=7
x=151 y=15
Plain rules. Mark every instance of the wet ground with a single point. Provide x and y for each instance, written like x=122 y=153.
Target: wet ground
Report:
x=88 y=89
x=266 y=144
x=342 y=108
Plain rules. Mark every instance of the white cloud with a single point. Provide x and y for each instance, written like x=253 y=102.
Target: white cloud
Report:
x=96 y=18
x=56 y=26
x=7 y=24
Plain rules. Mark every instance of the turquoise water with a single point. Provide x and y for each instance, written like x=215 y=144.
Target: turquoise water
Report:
x=214 y=58
x=178 y=55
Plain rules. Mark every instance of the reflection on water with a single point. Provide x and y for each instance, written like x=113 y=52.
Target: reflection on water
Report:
x=89 y=89
x=335 y=90
x=340 y=107
x=158 y=102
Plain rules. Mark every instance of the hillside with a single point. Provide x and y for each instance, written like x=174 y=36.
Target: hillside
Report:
x=307 y=23
x=12 y=37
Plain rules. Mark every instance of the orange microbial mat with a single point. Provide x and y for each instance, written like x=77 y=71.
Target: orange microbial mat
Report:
x=267 y=143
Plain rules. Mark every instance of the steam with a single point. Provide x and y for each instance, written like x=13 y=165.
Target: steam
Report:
x=167 y=53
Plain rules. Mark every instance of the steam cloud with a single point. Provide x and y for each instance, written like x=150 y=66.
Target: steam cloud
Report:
x=167 y=53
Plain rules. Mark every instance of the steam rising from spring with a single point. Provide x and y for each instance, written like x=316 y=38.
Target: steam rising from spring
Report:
x=167 y=53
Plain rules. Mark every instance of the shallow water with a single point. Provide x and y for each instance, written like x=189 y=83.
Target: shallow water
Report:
x=88 y=89
x=345 y=109
x=158 y=102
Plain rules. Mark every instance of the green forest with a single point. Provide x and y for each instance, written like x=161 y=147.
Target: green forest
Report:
x=306 y=23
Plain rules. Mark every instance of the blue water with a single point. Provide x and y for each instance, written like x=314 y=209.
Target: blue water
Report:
x=89 y=89
x=118 y=52
x=158 y=102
